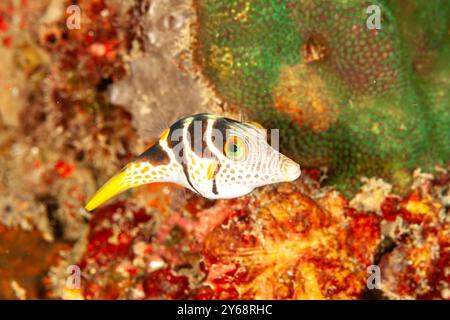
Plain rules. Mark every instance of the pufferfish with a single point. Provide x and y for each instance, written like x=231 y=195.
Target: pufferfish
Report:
x=215 y=157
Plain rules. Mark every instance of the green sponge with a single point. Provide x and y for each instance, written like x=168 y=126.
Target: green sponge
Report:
x=362 y=102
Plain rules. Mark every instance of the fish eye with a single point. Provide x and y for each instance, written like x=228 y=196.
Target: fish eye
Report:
x=235 y=148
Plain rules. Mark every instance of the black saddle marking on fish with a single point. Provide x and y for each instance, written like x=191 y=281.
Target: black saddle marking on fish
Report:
x=221 y=125
x=156 y=155
x=185 y=171
x=175 y=138
x=182 y=156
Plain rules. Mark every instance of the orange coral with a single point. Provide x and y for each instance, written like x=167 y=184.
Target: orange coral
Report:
x=289 y=246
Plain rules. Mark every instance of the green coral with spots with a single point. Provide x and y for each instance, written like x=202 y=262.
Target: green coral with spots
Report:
x=359 y=101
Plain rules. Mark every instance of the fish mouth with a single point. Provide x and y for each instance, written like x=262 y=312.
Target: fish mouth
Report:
x=117 y=184
x=290 y=169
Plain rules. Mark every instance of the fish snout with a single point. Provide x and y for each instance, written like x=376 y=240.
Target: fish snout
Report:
x=290 y=169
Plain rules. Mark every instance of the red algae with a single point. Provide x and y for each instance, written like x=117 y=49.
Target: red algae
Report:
x=285 y=242
x=233 y=249
x=25 y=257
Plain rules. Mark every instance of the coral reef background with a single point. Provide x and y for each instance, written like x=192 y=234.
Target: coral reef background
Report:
x=366 y=113
x=360 y=102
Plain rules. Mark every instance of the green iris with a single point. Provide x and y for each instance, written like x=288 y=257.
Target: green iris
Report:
x=233 y=150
